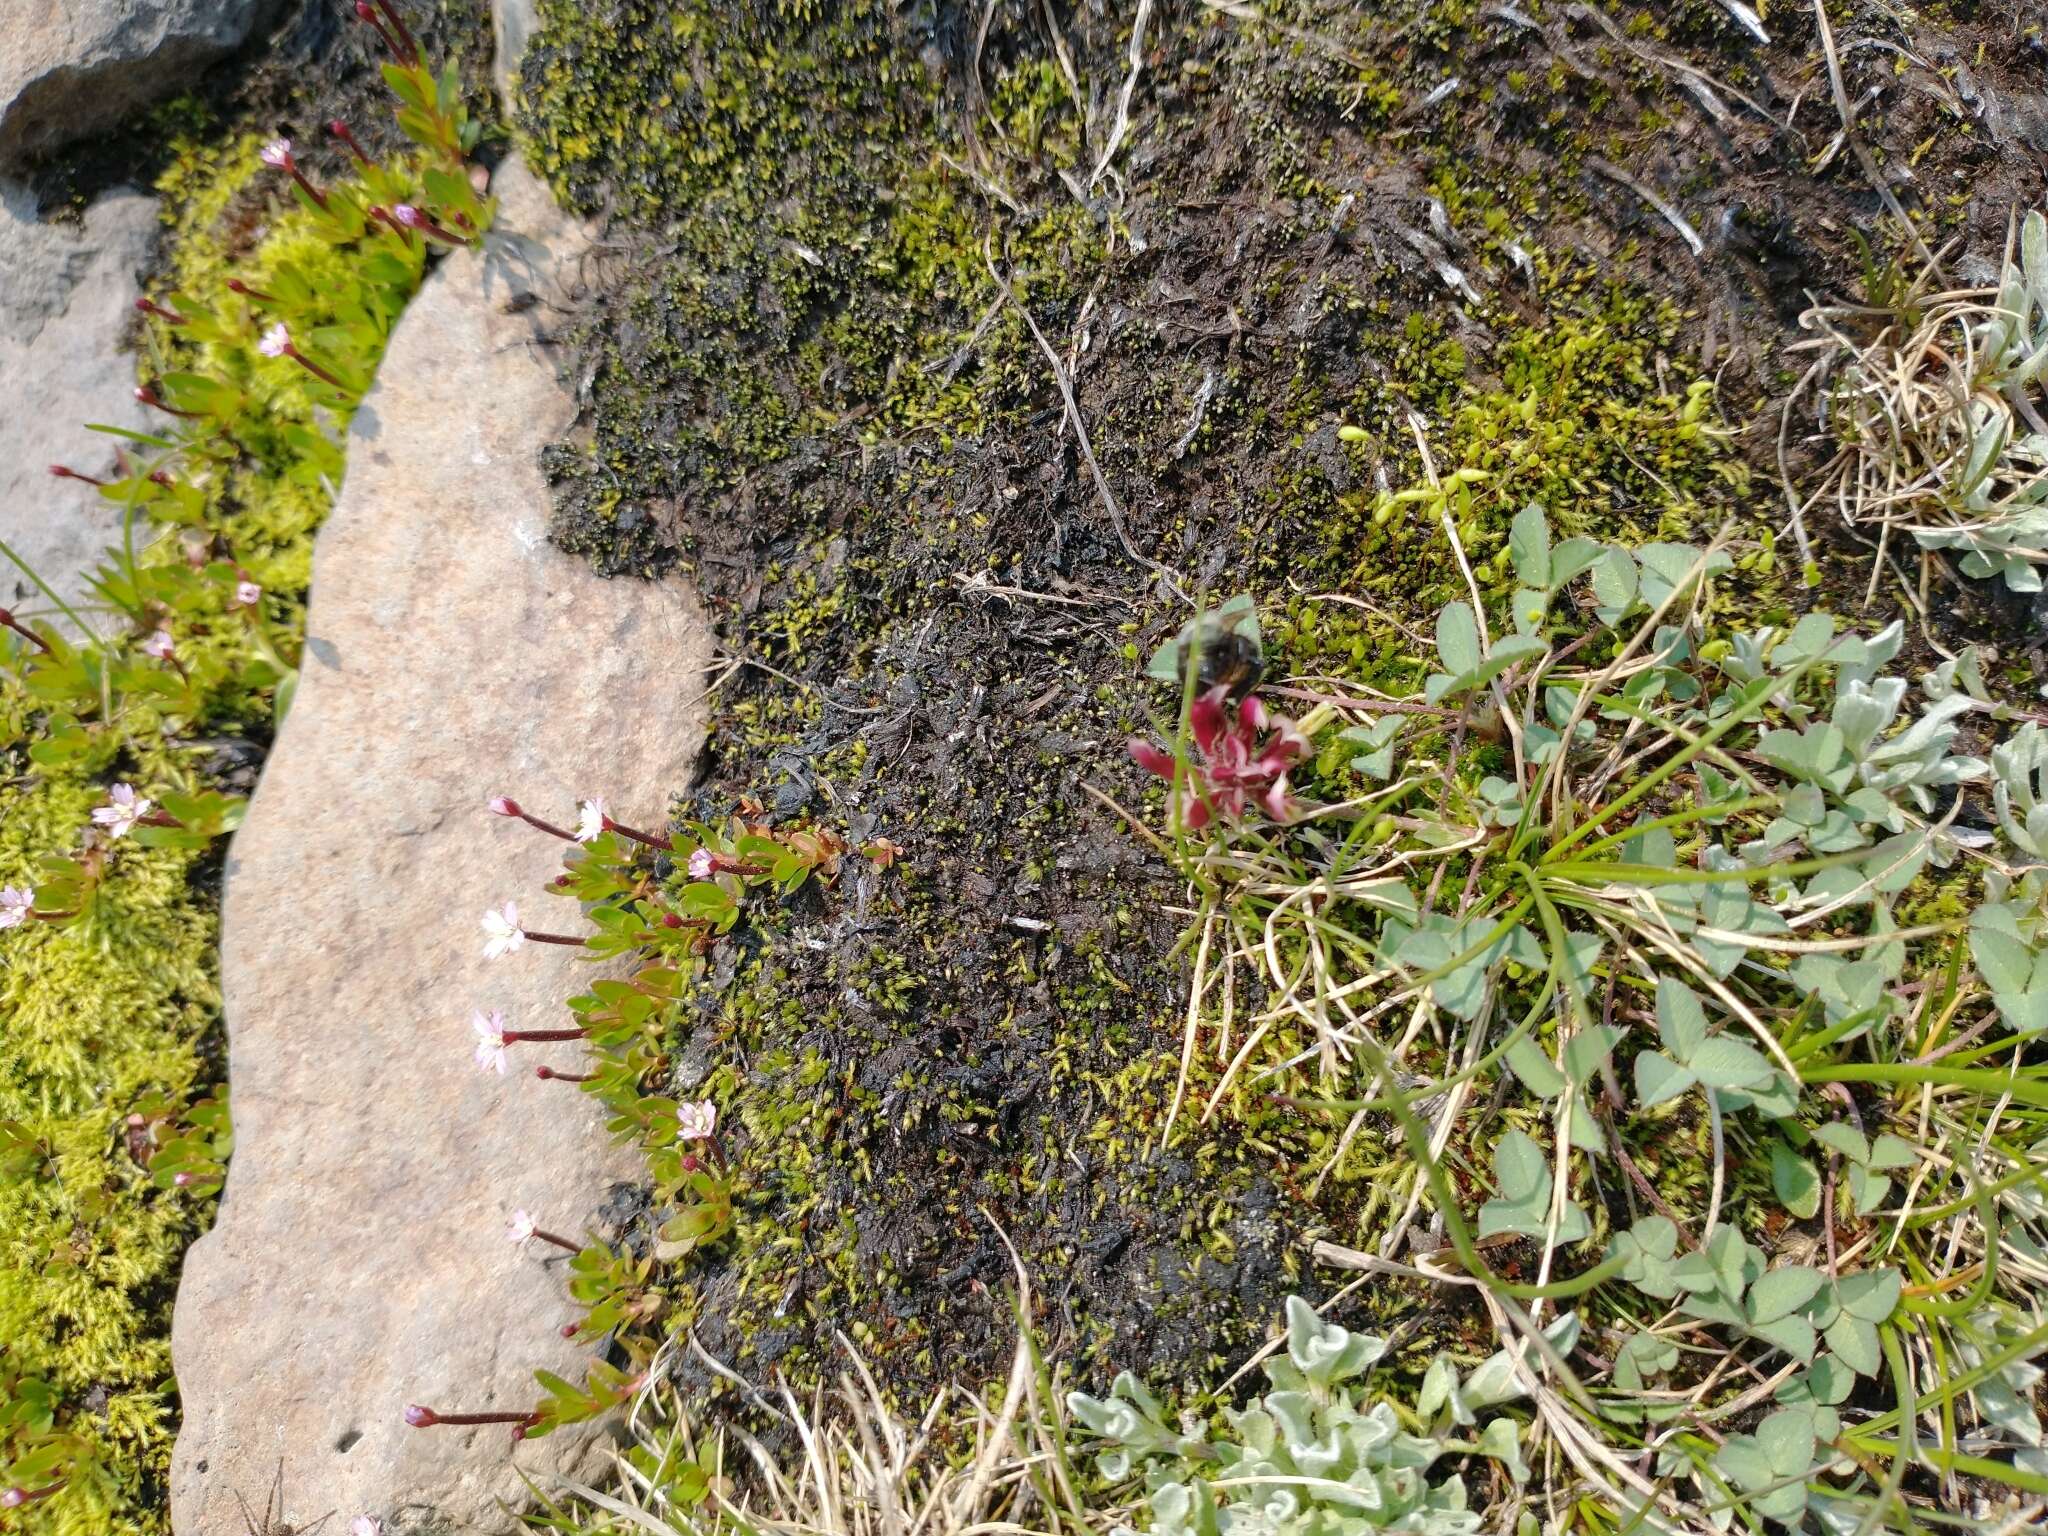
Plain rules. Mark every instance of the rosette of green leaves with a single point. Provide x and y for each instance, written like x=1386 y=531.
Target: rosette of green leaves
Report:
x=1309 y=1457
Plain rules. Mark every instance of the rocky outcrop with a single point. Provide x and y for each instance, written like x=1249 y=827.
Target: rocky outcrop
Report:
x=513 y=23
x=65 y=295
x=69 y=68
x=360 y=1260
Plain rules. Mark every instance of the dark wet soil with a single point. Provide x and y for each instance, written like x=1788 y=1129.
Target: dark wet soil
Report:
x=805 y=392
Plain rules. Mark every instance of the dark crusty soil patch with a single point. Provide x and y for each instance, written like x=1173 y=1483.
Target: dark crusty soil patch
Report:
x=804 y=389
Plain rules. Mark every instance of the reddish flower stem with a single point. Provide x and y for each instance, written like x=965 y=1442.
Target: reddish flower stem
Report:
x=14 y=1498
x=665 y=845
x=340 y=130
x=552 y=938
x=366 y=12
x=559 y=1241
x=66 y=472
x=305 y=362
x=550 y=1075
x=398 y=26
x=511 y=1035
x=151 y=307
x=236 y=285
x=547 y=826
x=319 y=197
x=427 y=1418
x=8 y=619
x=144 y=395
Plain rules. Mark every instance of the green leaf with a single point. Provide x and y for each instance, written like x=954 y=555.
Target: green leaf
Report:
x=1844 y=1139
x=1658 y=1078
x=1457 y=639
x=1794 y=1181
x=1529 y=546
x=1521 y=1170
x=1614 y=584
x=1781 y=1292
x=1725 y=1063
x=1786 y=1438
x=1528 y=1062
x=1854 y=1341
x=1871 y=1295
x=1587 y=1049
x=1570 y=558
x=1794 y=1335
x=2002 y=959
x=1681 y=1020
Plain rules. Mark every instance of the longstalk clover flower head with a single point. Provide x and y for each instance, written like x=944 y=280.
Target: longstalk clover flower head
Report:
x=502 y=933
x=696 y=1120
x=491 y=1054
x=276 y=342
x=590 y=821
x=123 y=809
x=277 y=154
x=1235 y=765
x=16 y=903
x=160 y=645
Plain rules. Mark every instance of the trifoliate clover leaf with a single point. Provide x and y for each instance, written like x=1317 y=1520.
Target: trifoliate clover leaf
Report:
x=1523 y=1206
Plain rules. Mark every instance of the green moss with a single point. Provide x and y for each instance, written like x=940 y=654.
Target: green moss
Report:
x=112 y=1035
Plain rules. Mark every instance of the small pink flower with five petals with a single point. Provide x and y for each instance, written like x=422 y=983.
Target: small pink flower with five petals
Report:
x=123 y=809
x=696 y=1120
x=502 y=933
x=491 y=1054
x=17 y=904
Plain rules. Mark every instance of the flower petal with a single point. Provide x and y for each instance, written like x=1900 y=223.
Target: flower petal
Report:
x=1151 y=757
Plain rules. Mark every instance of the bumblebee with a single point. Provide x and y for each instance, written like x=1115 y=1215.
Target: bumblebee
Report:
x=1231 y=660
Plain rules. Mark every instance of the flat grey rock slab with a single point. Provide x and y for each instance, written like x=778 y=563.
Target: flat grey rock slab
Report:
x=360 y=1262
x=70 y=68
x=67 y=291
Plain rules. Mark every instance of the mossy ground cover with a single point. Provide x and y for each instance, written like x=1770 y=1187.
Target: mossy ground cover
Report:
x=111 y=1059
x=806 y=389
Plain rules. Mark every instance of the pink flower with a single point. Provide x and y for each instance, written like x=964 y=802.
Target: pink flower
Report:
x=519 y=1231
x=502 y=933
x=276 y=342
x=1235 y=765
x=277 y=154
x=408 y=215
x=123 y=809
x=248 y=594
x=17 y=902
x=590 y=822
x=696 y=1120
x=366 y=1525
x=504 y=805
x=490 y=1041
x=159 y=645
x=702 y=865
